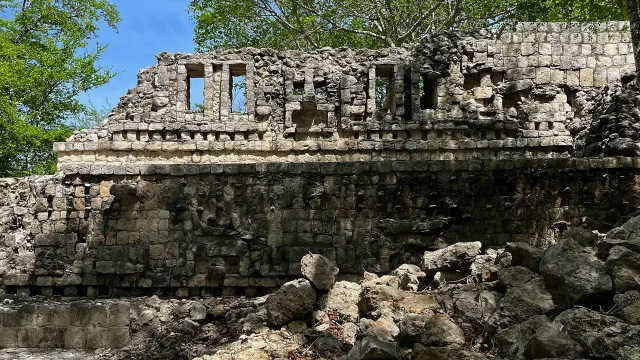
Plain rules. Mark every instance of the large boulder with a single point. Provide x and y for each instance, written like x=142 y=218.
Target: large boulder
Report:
x=511 y=341
x=343 y=299
x=549 y=342
x=520 y=303
x=523 y=254
x=371 y=348
x=458 y=256
x=602 y=336
x=624 y=265
x=474 y=305
x=574 y=273
x=440 y=330
x=410 y=327
x=319 y=270
x=294 y=300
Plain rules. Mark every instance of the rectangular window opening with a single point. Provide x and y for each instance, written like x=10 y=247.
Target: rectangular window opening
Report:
x=320 y=88
x=298 y=87
x=429 y=92
x=195 y=87
x=385 y=97
x=238 y=88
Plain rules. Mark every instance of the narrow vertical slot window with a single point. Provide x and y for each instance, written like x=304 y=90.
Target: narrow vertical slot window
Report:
x=385 y=97
x=428 y=92
x=238 y=88
x=195 y=87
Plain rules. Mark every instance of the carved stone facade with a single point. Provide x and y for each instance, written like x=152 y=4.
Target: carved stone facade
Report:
x=368 y=157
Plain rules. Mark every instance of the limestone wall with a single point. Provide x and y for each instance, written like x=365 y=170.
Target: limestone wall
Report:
x=202 y=230
x=456 y=96
x=70 y=325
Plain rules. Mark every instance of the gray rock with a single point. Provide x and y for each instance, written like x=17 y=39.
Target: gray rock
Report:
x=520 y=303
x=319 y=270
x=411 y=327
x=511 y=341
x=458 y=256
x=549 y=342
x=573 y=273
x=628 y=305
x=473 y=305
x=349 y=332
x=624 y=265
x=384 y=328
x=515 y=275
x=440 y=330
x=485 y=267
x=523 y=254
x=602 y=336
x=370 y=348
x=376 y=298
x=198 y=311
x=294 y=300
x=441 y=353
x=343 y=299
x=409 y=276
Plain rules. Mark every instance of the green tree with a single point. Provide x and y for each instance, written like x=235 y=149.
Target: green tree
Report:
x=306 y=24
x=48 y=55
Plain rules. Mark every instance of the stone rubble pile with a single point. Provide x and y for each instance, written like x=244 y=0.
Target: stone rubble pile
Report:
x=577 y=299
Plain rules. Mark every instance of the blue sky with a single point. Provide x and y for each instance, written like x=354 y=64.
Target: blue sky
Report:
x=147 y=28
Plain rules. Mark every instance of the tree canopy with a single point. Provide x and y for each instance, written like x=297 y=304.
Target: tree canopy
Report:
x=48 y=55
x=307 y=24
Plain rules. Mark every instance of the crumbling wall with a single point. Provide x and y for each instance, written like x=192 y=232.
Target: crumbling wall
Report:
x=202 y=230
x=455 y=96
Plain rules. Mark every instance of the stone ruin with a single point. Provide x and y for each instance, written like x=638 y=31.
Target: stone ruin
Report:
x=367 y=157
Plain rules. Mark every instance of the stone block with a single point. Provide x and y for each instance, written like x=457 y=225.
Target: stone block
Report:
x=586 y=77
x=94 y=337
x=8 y=337
x=118 y=314
x=116 y=338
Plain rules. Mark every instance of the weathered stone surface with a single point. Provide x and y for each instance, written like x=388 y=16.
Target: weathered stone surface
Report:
x=384 y=328
x=440 y=330
x=378 y=297
x=624 y=265
x=523 y=254
x=370 y=348
x=475 y=305
x=550 y=342
x=602 y=336
x=458 y=256
x=628 y=305
x=573 y=273
x=293 y=300
x=511 y=341
x=343 y=299
x=410 y=328
x=515 y=275
x=319 y=270
x=519 y=303
x=409 y=276
x=421 y=352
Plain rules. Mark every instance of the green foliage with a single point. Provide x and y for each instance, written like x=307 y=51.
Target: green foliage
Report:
x=48 y=54
x=307 y=24
x=91 y=115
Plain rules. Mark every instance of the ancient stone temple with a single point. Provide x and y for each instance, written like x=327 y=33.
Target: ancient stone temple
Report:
x=368 y=157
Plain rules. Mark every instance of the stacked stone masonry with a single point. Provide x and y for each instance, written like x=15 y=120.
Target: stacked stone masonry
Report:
x=70 y=325
x=467 y=140
x=456 y=96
